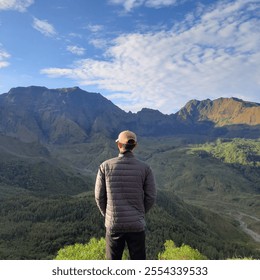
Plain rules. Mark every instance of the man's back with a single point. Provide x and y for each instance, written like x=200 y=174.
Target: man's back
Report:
x=130 y=192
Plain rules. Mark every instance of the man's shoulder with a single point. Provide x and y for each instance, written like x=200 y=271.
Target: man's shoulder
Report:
x=115 y=160
x=109 y=161
x=141 y=162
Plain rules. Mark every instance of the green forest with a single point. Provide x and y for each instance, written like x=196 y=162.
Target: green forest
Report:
x=236 y=151
x=47 y=200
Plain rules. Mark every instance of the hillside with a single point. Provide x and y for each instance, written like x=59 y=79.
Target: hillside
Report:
x=45 y=210
x=222 y=111
x=52 y=142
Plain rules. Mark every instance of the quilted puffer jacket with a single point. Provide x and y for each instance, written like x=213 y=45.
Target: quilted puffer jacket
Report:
x=124 y=192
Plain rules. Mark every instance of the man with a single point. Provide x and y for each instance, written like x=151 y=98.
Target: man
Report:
x=124 y=192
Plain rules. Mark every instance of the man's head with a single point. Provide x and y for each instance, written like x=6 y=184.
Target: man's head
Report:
x=126 y=141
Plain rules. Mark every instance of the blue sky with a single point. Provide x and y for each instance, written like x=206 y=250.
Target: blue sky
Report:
x=156 y=54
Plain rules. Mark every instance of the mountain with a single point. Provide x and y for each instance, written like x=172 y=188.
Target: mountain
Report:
x=56 y=116
x=222 y=111
x=53 y=140
x=71 y=115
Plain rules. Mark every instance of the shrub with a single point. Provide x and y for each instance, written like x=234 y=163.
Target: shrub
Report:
x=184 y=252
x=94 y=250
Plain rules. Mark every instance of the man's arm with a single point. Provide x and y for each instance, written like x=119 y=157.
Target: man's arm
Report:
x=100 y=191
x=149 y=191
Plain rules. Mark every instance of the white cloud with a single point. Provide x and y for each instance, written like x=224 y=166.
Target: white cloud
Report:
x=217 y=56
x=3 y=58
x=75 y=35
x=95 y=28
x=99 y=43
x=131 y=4
x=4 y=64
x=159 y=3
x=19 y=5
x=44 y=27
x=76 y=50
x=56 y=72
x=128 y=4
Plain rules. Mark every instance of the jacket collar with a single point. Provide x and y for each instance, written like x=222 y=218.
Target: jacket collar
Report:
x=126 y=154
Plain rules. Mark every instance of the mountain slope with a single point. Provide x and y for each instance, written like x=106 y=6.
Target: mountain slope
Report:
x=29 y=168
x=46 y=203
x=222 y=111
x=71 y=115
x=36 y=227
x=56 y=116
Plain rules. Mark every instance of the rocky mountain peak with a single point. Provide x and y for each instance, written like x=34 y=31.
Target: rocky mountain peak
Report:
x=222 y=111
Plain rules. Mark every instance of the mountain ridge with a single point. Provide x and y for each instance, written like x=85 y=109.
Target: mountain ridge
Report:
x=223 y=111
x=72 y=115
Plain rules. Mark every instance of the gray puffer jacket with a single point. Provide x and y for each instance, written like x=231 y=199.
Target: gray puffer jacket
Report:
x=124 y=192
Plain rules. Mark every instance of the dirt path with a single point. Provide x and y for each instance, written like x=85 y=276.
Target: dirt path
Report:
x=243 y=225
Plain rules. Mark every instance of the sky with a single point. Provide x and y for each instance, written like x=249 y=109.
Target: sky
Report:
x=156 y=54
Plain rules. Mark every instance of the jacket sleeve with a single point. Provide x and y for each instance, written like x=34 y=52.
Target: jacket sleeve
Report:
x=149 y=190
x=100 y=191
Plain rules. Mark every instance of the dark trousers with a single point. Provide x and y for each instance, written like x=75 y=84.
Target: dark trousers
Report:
x=115 y=244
